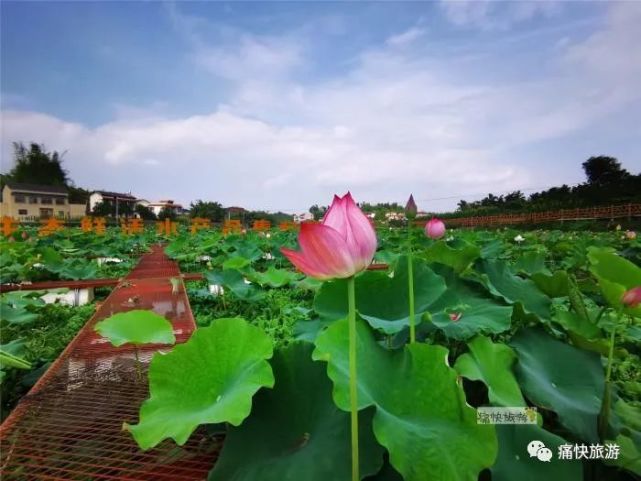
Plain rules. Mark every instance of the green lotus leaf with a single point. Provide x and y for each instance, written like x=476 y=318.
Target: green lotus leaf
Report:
x=458 y=258
x=295 y=431
x=629 y=455
x=16 y=315
x=515 y=463
x=572 y=322
x=473 y=309
x=11 y=355
x=236 y=262
x=492 y=363
x=380 y=299
x=209 y=379
x=615 y=276
x=276 y=277
x=136 y=327
x=531 y=262
x=555 y=285
x=422 y=417
x=235 y=282
x=557 y=376
x=77 y=270
x=501 y=282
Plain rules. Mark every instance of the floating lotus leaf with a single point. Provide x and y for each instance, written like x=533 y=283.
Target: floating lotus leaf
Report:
x=136 y=327
x=276 y=277
x=209 y=379
x=235 y=282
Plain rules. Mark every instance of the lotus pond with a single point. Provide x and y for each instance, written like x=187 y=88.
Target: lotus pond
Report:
x=534 y=322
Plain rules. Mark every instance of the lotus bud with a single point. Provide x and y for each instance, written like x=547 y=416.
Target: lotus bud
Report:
x=435 y=228
x=410 y=208
x=632 y=297
x=341 y=245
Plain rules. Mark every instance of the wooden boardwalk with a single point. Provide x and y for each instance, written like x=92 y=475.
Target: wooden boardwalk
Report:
x=69 y=426
x=591 y=213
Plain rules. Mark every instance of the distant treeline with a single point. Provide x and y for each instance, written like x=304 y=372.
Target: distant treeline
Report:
x=606 y=183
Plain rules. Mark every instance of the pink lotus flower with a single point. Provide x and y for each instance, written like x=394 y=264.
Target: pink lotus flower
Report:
x=435 y=228
x=632 y=297
x=630 y=234
x=341 y=245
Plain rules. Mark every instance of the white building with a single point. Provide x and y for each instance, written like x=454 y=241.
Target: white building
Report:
x=157 y=207
x=113 y=198
x=304 y=217
x=394 y=216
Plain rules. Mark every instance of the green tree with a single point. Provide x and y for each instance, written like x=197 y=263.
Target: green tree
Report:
x=604 y=170
x=167 y=213
x=103 y=209
x=145 y=212
x=213 y=211
x=317 y=212
x=34 y=165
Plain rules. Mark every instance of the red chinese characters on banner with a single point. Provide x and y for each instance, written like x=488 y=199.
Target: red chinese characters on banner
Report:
x=131 y=226
x=9 y=225
x=287 y=225
x=199 y=223
x=166 y=227
x=232 y=226
x=49 y=226
x=261 y=225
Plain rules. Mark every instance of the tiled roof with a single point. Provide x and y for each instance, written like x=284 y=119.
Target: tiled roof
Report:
x=48 y=189
x=105 y=193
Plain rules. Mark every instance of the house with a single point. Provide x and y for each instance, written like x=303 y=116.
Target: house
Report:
x=157 y=207
x=304 y=217
x=389 y=216
x=231 y=211
x=121 y=202
x=32 y=201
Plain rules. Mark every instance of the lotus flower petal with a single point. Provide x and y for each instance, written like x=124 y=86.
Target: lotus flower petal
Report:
x=324 y=253
x=341 y=246
x=435 y=228
x=347 y=218
x=632 y=297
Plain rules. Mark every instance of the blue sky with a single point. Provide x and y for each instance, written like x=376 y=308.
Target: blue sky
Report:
x=278 y=105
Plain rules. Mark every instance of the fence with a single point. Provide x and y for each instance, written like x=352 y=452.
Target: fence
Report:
x=590 y=213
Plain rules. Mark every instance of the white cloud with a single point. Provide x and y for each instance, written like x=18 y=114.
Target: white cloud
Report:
x=394 y=123
x=407 y=37
x=251 y=57
x=496 y=14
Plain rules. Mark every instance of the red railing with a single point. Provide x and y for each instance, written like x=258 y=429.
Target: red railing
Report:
x=69 y=426
x=591 y=213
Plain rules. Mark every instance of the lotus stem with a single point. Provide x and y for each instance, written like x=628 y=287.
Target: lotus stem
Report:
x=607 y=394
x=351 y=297
x=410 y=282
